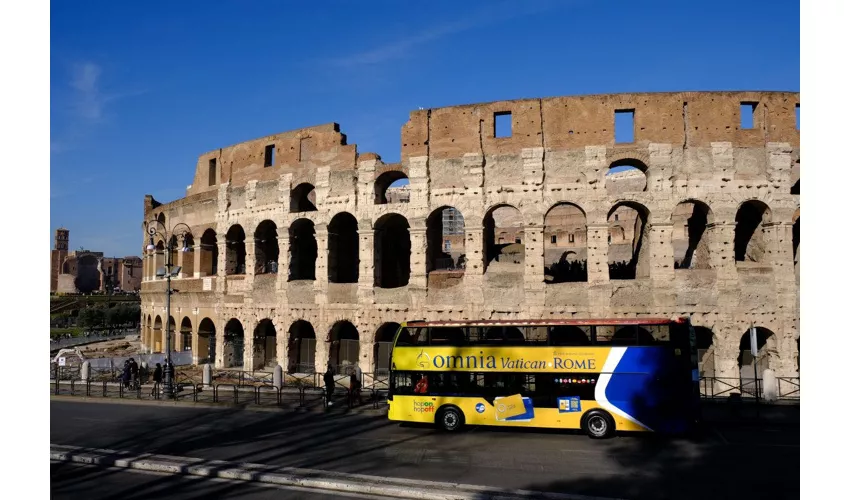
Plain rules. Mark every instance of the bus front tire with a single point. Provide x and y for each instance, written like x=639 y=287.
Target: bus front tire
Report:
x=450 y=418
x=598 y=424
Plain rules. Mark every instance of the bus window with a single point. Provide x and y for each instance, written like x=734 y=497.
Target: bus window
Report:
x=563 y=335
x=632 y=335
x=411 y=336
x=447 y=336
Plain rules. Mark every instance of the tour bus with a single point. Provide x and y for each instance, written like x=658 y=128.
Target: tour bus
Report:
x=596 y=375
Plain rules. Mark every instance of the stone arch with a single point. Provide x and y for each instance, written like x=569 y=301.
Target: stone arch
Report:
x=173 y=248
x=392 y=251
x=234 y=344
x=568 y=335
x=509 y=255
x=344 y=352
x=565 y=234
x=301 y=347
x=795 y=238
x=446 y=240
x=303 y=250
x=690 y=245
x=750 y=238
x=343 y=249
x=751 y=367
x=186 y=334
x=387 y=188
x=161 y=218
x=235 y=238
x=705 y=350
x=158 y=343
x=265 y=345
x=795 y=177
x=384 y=337
x=266 y=250
x=209 y=253
x=626 y=175
x=629 y=259
x=206 y=341
x=302 y=198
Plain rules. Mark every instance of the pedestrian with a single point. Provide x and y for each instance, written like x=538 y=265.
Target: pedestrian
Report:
x=329 y=384
x=157 y=379
x=125 y=374
x=354 y=386
x=134 y=373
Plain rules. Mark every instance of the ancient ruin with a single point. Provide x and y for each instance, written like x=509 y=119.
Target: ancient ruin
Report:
x=305 y=251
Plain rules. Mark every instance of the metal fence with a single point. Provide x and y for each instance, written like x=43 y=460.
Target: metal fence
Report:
x=788 y=388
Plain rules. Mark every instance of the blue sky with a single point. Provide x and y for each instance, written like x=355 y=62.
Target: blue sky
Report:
x=140 y=89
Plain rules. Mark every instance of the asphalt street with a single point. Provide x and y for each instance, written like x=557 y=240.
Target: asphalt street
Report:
x=73 y=481
x=729 y=462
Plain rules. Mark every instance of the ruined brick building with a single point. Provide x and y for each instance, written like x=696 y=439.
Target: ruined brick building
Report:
x=84 y=271
x=299 y=256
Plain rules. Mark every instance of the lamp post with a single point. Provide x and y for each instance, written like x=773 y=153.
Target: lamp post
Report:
x=168 y=272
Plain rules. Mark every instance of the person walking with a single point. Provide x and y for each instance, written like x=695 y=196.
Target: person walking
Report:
x=354 y=386
x=125 y=374
x=157 y=379
x=134 y=374
x=329 y=384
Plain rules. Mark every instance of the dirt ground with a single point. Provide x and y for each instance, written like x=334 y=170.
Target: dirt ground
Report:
x=113 y=348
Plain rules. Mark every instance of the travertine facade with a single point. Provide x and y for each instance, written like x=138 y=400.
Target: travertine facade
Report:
x=293 y=235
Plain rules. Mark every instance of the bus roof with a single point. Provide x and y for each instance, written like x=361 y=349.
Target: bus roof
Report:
x=551 y=322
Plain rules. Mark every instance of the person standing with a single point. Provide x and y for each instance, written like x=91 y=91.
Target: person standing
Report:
x=157 y=379
x=329 y=384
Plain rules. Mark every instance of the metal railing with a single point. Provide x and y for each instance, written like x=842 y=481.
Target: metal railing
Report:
x=788 y=388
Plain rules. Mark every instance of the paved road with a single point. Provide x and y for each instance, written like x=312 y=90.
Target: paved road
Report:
x=727 y=463
x=72 y=482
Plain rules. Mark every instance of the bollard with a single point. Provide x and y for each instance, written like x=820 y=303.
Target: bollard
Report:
x=85 y=371
x=207 y=379
x=771 y=391
x=278 y=377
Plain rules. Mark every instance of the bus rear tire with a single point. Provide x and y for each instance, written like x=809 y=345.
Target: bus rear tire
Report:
x=598 y=424
x=450 y=419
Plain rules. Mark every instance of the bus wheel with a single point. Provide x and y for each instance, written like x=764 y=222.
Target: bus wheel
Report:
x=450 y=418
x=598 y=424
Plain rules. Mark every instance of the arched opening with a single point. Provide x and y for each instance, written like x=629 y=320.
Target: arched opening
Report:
x=186 y=334
x=705 y=350
x=88 y=274
x=302 y=198
x=507 y=254
x=266 y=251
x=159 y=259
x=795 y=238
x=690 y=246
x=628 y=255
x=446 y=240
x=188 y=256
x=384 y=347
x=234 y=344
x=209 y=254
x=265 y=345
x=303 y=250
x=749 y=231
x=392 y=251
x=344 y=354
x=235 y=239
x=392 y=187
x=302 y=348
x=174 y=248
x=343 y=249
x=147 y=334
x=795 y=178
x=161 y=219
x=625 y=176
x=158 y=344
x=752 y=367
x=568 y=335
x=206 y=341
x=565 y=244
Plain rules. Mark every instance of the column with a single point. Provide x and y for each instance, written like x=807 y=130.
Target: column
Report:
x=186 y=260
x=726 y=351
x=221 y=282
x=248 y=343
x=534 y=266
x=250 y=261
x=418 y=253
x=659 y=253
x=282 y=260
x=366 y=282
x=282 y=343
x=321 y=283
x=195 y=341
x=721 y=242
x=473 y=276
x=219 y=344
x=597 y=253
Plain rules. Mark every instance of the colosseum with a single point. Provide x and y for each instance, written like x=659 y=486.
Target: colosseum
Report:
x=299 y=250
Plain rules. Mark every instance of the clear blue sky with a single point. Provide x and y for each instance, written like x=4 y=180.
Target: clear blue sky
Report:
x=140 y=89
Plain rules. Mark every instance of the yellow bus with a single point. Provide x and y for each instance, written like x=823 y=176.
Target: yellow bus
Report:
x=600 y=376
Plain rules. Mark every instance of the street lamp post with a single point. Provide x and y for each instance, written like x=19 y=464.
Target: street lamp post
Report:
x=168 y=272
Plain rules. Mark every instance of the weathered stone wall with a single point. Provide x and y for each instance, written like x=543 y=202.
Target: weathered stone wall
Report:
x=689 y=146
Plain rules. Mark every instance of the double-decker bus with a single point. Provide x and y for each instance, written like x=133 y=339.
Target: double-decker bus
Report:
x=597 y=375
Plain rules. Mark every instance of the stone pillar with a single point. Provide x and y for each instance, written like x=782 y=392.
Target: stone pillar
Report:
x=282 y=259
x=534 y=265
x=221 y=282
x=597 y=253
x=187 y=260
x=181 y=259
x=660 y=253
x=248 y=343
x=473 y=276
x=726 y=350
x=195 y=341
x=366 y=283
x=200 y=262
x=321 y=283
x=418 y=253
x=282 y=343
x=219 y=345
x=322 y=350
x=721 y=240
x=250 y=261
x=780 y=250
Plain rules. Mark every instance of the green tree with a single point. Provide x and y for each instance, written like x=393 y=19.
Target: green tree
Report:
x=90 y=318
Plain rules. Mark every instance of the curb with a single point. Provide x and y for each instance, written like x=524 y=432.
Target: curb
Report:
x=304 y=478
